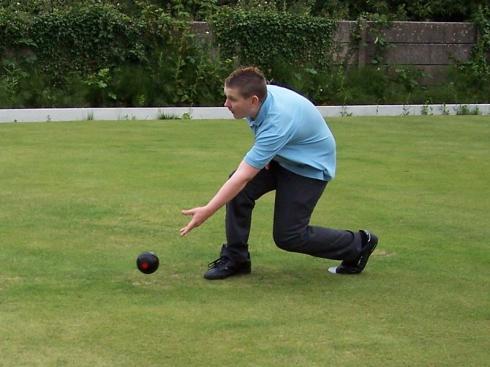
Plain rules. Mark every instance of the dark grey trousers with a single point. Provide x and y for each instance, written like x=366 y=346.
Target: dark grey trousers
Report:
x=296 y=197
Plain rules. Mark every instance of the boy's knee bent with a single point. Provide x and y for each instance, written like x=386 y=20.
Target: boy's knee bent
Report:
x=288 y=241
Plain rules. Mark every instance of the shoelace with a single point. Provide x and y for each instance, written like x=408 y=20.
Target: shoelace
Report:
x=216 y=262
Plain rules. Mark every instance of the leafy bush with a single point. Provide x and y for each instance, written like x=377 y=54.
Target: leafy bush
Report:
x=272 y=39
x=103 y=57
x=477 y=69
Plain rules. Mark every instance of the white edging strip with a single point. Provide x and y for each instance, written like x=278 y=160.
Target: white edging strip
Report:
x=405 y=110
x=154 y=113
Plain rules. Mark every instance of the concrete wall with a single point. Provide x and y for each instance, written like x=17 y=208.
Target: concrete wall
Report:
x=429 y=46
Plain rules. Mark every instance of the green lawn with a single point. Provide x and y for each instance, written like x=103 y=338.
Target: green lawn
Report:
x=79 y=201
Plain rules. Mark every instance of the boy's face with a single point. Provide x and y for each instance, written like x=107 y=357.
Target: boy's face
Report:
x=240 y=106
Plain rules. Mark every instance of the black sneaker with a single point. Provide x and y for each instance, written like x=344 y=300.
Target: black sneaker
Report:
x=224 y=266
x=370 y=241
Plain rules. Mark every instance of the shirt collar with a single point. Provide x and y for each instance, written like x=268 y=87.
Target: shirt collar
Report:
x=264 y=108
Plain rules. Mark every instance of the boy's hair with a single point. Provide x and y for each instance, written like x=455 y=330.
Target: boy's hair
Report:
x=249 y=81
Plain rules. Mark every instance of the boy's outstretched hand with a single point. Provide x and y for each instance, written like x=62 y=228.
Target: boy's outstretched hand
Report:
x=228 y=191
x=199 y=216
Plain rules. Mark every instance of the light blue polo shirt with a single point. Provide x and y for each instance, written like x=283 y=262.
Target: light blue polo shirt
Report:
x=290 y=130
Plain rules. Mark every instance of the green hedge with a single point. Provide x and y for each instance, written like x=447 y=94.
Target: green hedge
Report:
x=79 y=39
x=267 y=38
x=107 y=55
x=96 y=55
